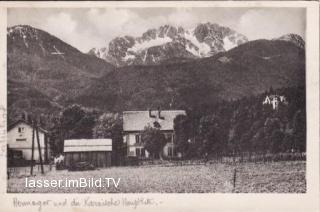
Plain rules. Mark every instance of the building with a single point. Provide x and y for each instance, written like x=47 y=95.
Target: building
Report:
x=20 y=142
x=274 y=100
x=134 y=122
x=95 y=151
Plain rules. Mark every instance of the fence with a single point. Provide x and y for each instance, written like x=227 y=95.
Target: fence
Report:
x=19 y=172
x=244 y=158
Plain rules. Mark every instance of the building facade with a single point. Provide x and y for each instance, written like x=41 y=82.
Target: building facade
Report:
x=20 y=140
x=95 y=151
x=134 y=123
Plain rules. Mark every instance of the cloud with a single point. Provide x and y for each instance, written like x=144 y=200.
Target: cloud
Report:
x=72 y=30
x=270 y=23
x=113 y=22
x=106 y=20
x=117 y=22
x=61 y=23
x=183 y=17
x=64 y=27
x=87 y=28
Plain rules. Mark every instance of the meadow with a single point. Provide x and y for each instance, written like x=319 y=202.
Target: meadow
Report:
x=269 y=177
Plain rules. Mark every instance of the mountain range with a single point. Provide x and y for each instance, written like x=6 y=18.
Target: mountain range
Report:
x=157 y=45
x=162 y=68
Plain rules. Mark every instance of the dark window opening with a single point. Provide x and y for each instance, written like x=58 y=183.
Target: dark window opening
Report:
x=140 y=152
x=138 y=139
x=21 y=139
x=20 y=129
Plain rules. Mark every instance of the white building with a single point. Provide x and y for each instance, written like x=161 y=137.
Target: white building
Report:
x=20 y=140
x=274 y=100
x=134 y=122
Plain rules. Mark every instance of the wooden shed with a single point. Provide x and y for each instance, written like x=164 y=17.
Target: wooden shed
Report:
x=96 y=151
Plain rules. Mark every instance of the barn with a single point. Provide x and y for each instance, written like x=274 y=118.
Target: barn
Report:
x=20 y=142
x=95 y=151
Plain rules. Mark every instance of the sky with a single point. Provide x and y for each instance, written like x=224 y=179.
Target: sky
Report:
x=85 y=28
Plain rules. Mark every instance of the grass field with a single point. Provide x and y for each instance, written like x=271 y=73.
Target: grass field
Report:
x=279 y=177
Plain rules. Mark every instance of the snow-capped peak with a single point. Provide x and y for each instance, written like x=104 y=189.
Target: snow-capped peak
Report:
x=142 y=45
x=165 y=42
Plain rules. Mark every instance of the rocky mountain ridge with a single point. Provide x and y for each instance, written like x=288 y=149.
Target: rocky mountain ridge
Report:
x=157 y=45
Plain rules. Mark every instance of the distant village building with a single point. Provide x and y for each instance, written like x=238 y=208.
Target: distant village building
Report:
x=95 y=151
x=20 y=142
x=134 y=123
x=274 y=100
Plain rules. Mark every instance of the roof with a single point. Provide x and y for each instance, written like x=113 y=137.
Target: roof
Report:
x=87 y=145
x=138 y=120
x=13 y=125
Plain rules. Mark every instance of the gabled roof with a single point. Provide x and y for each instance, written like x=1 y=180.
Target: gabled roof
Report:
x=13 y=125
x=138 y=120
x=87 y=145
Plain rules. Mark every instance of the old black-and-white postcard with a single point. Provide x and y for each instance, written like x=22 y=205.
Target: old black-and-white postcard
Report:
x=159 y=99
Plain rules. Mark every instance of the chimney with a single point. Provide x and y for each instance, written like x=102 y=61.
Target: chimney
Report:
x=24 y=116
x=150 y=114
x=159 y=114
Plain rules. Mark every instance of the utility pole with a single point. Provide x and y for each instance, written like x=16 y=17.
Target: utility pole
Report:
x=35 y=130
x=39 y=148
x=32 y=149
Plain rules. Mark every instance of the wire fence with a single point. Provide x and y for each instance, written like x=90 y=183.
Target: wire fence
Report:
x=26 y=171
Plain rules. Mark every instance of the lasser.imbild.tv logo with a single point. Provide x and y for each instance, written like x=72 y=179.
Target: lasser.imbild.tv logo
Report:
x=81 y=182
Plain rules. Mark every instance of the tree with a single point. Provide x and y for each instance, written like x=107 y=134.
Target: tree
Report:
x=271 y=128
x=154 y=141
x=56 y=136
x=287 y=143
x=109 y=125
x=83 y=128
x=299 y=130
x=105 y=124
x=70 y=116
x=181 y=133
x=277 y=139
x=213 y=134
x=74 y=122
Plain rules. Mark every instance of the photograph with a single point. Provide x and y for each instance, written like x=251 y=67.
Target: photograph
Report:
x=157 y=100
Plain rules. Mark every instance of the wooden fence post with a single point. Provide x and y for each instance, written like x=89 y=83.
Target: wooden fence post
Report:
x=234 y=179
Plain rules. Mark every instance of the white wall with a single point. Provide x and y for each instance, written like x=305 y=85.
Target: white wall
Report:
x=130 y=139
x=25 y=146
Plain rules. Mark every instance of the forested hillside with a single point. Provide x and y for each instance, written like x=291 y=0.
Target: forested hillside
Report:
x=246 y=126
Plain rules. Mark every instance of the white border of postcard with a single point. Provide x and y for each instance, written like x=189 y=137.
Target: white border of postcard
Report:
x=308 y=201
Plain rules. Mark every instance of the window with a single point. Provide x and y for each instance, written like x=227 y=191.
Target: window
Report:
x=137 y=152
x=21 y=129
x=131 y=153
x=21 y=139
x=169 y=137
x=138 y=140
x=143 y=152
x=140 y=152
x=170 y=151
